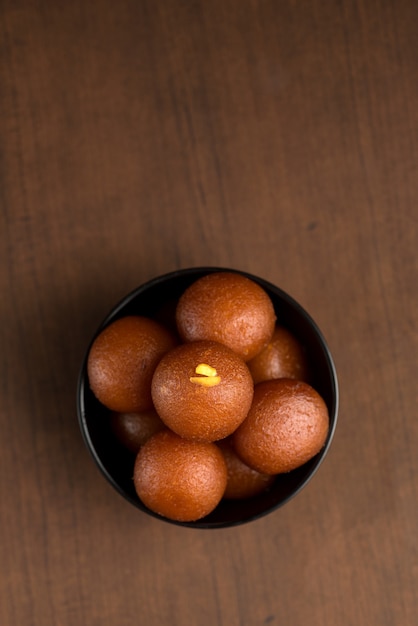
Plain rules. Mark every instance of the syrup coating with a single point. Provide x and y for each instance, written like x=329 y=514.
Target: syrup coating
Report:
x=286 y=426
x=283 y=357
x=202 y=390
x=228 y=308
x=179 y=479
x=122 y=360
x=243 y=481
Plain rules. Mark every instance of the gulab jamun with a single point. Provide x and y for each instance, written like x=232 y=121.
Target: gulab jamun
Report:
x=283 y=357
x=134 y=429
x=179 y=479
x=228 y=308
x=243 y=481
x=286 y=426
x=202 y=390
x=122 y=360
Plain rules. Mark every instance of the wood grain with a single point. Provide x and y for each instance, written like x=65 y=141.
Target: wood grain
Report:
x=278 y=138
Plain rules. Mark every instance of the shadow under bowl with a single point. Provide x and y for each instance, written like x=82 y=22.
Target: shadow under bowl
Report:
x=116 y=462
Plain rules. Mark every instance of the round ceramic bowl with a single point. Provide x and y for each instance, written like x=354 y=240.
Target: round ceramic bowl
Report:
x=116 y=463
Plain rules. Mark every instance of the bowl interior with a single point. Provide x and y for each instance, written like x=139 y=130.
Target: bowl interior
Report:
x=116 y=463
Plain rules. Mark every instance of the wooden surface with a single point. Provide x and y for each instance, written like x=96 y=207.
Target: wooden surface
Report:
x=280 y=138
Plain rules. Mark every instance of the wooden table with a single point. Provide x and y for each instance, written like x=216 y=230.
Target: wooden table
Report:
x=280 y=138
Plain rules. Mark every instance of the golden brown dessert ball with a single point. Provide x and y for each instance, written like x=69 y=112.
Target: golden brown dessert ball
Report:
x=283 y=357
x=228 y=308
x=179 y=479
x=122 y=360
x=243 y=481
x=286 y=426
x=202 y=390
x=134 y=429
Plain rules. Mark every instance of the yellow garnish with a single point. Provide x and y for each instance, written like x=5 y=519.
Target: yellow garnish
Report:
x=209 y=376
x=206 y=381
x=206 y=370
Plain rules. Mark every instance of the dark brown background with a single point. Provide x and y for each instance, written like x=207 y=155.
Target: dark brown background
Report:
x=280 y=138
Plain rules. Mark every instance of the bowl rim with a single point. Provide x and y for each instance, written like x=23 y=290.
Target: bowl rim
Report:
x=115 y=311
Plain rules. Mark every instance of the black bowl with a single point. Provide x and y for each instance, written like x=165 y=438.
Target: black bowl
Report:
x=116 y=463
